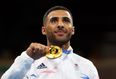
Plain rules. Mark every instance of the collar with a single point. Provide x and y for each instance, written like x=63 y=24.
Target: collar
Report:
x=67 y=51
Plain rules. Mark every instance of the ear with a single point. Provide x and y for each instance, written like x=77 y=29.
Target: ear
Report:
x=73 y=30
x=43 y=30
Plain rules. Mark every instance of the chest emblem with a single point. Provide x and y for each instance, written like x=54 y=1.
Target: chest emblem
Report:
x=42 y=66
x=85 y=77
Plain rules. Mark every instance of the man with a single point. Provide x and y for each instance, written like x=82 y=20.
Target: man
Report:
x=35 y=64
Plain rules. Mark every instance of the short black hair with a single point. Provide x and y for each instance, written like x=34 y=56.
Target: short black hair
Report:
x=56 y=8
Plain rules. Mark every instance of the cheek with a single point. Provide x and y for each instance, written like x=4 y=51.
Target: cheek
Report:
x=49 y=30
x=70 y=29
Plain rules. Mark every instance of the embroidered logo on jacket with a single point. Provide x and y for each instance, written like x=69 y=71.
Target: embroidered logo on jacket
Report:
x=42 y=66
x=85 y=77
x=33 y=75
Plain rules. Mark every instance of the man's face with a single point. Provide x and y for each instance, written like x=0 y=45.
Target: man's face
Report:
x=58 y=27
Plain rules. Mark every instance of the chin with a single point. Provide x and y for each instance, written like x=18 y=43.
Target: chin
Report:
x=60 y=42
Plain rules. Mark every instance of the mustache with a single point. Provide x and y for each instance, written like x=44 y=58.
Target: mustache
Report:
x=61 y=30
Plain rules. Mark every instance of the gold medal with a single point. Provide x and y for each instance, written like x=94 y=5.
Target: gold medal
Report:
x=54 y=52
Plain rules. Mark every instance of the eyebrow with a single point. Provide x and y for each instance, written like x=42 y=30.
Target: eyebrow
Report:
x=66 y=18
x=54 y=18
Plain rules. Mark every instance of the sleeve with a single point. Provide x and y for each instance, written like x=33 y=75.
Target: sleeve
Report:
x=94 y=71
x=19 y=68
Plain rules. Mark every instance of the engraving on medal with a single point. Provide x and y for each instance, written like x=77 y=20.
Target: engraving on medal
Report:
x=54 y=52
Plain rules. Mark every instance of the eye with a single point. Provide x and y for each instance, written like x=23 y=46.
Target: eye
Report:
x=66 y=19
x=53 y=19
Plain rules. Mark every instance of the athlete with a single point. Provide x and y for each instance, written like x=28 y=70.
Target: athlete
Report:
x=56 y=60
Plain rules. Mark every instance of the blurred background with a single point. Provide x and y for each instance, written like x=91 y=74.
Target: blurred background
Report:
x=94 y=21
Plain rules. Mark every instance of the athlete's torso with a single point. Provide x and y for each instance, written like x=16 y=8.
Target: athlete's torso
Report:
x=65 y=67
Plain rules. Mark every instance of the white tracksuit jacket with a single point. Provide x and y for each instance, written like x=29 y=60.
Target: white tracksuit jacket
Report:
x=68 y=66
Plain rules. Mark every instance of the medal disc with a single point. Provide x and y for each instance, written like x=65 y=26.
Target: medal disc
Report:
x=54 y=52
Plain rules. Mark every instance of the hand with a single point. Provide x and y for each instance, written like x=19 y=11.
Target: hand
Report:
x=37 y=50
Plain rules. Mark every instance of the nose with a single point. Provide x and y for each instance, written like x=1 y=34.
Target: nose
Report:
x=60 y=24
x=60 y=27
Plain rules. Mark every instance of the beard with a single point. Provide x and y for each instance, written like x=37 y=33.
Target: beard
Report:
x=59 y=41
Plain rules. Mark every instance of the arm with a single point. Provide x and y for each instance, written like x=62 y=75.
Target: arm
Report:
x=19 y=68
x=23 y=62
x=94 y=71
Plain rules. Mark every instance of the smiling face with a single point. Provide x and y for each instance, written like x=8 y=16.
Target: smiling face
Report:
x=58 y=27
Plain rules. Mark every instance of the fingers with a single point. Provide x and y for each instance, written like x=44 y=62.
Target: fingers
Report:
x=37 y=50
x=37 y=47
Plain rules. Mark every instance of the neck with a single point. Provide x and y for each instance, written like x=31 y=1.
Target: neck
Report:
x=64 y=46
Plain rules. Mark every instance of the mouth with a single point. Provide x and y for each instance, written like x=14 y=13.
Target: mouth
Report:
x=60 y=33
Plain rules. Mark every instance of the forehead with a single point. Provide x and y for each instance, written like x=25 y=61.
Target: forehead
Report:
x=59 y=13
